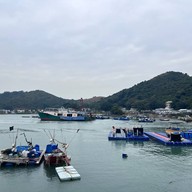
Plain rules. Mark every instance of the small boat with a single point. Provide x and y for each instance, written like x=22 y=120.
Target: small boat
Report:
x=164 y=119
x=102 y=117
x=62 y=114
x=124 y=118
x=146 y=120
x=175 y=139
x=22 y=154
x=171 y=130
x=55 y=156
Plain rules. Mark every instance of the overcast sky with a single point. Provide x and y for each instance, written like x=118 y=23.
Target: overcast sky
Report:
x=86 y=48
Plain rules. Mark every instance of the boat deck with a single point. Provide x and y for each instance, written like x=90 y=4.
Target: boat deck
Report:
x=122 y=136
x=162 y=138
x=20 y=161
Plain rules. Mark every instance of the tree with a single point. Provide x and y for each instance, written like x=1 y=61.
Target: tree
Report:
x=116 y=110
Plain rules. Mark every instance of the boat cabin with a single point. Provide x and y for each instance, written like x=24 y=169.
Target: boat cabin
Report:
x=175 y=137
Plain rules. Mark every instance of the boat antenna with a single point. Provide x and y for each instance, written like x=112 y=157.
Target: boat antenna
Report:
x=62 y=135
x=28 y=142
x=52 y=137
x=53 y=134
x=16 y=138
x=72 y=138
x=46 y=133
x=64 y=145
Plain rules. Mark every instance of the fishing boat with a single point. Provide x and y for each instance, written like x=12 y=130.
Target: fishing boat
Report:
x=146 y=120
x=62 y=114
x=21 y=154
x=171 y=130
x=164 y=119
x=55 y=156
x=175 y=139
x=124 y=118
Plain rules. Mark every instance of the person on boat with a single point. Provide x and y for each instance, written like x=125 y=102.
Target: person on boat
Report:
x=10 y=151
x=13 y=150
x=125 y=131
x=30 y=145
x=113 y=131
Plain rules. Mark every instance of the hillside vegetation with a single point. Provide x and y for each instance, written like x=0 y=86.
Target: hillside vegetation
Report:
x=170 y=86
x=147 y=95
x=32 y=100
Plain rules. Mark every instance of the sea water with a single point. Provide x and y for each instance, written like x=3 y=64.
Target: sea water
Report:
x=150 y=166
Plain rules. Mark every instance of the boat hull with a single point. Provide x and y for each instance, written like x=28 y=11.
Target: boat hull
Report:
x=48 y=117
x=56 y=159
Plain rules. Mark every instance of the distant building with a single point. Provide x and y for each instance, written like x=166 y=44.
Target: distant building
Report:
x=168 y=105
x=167 y=110
x=4 y=111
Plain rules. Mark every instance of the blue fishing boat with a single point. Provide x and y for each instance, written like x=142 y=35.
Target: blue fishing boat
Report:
x=187 y=134
x=175 y=139
x=21 y=154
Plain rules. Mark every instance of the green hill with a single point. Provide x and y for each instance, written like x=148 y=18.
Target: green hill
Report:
x=147 y=95
x=170 y=86
x=32 y=100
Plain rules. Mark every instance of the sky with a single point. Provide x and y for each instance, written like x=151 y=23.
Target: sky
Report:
x=84 y=48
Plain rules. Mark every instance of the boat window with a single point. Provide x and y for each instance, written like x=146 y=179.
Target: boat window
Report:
x=69 y=115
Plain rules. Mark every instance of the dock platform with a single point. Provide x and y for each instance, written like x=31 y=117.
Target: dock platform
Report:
x=122 y=136
x=162 y=138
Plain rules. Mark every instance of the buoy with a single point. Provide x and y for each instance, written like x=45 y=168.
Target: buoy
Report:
x=124 y=155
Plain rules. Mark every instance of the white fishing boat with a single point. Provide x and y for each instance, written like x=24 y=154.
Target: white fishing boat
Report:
x=62 y=114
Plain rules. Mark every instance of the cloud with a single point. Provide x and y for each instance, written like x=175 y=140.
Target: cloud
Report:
x=95 y=47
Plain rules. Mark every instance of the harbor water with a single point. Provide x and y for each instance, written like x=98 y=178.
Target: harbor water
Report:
x=150 y=166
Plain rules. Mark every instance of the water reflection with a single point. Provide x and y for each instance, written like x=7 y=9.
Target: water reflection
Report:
x=118 y=144
x=17 y=170
x=137 y=143
x=50 y=172
x=125 y=144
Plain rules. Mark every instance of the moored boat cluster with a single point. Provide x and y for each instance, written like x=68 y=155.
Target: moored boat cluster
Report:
x=29 y=155
x=171 y=136
x=25 y=155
